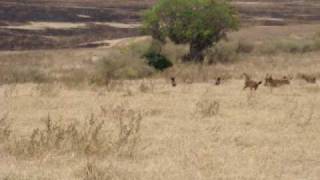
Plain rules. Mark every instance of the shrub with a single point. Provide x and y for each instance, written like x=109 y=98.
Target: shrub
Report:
x=94 y=172
x=295 y=46
x=223 y=52
x=120 y=66
x=174 y=52
x=208 y=108
x=245 y=47
x=24 y=75
x=290 y=46
x=317 y=41
x=24 y=176
x=87 y=138
x=157 y=61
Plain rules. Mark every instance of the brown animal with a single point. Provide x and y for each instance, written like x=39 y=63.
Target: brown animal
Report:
x=309 y=78
x=173 y=82
x=218 y=81
x=253 y=85
x=271 y=82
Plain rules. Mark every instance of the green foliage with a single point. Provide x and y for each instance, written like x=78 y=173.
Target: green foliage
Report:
x=200 y=23
x=157 y=60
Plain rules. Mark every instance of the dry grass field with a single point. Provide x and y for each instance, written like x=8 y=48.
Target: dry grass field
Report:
x=78 y=102
x=57 y=124
x=196 y=131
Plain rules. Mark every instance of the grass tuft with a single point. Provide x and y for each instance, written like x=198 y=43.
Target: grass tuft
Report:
x=88 y=138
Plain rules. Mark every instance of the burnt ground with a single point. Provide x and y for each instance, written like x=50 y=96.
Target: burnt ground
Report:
x=18 y=39
x=14 y=12
x=273 y=12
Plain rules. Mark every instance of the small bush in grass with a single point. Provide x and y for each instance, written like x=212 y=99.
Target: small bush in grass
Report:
x=87 y=138
x=223 y=52
x=296 y=46
x=5 y=126
x=48 y=90
x=317 y=41
x=120 y=66
x=208 y=108
x=25 y=75
x=245 y=47
x=173 y=51
x=94 y=172
x=24 y=176
x=290 y=46
x=74 y=77
x=158 y=61
x=268 y=49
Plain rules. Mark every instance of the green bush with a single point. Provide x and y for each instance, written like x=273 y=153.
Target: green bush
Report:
x=157 y=60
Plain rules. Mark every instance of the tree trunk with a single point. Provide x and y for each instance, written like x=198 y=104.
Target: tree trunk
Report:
x=195 y=53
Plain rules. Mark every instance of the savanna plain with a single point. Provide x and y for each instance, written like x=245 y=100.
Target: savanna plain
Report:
x=93 y=110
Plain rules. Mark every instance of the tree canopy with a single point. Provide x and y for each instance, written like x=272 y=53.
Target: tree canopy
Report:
x=200 y=23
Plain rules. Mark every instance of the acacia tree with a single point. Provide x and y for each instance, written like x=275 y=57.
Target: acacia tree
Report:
x=199 y=23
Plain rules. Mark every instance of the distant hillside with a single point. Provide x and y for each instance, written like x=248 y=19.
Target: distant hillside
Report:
x=268 y=12
x=90 y=19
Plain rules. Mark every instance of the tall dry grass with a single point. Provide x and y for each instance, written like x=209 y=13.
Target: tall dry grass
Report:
x=89 y=137
x=147 y=129
x=190 y=131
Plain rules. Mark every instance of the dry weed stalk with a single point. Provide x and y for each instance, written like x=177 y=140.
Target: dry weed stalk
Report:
x=23 y=176
x=115 y=85
x=306 y=120
x=208 y=108
x=301 y=115
x=252 y=99
x=93 y=172
x=147 y=86
x=56 y=137
x=88 y=138
x=11 y=90
x=129 y=130
x=48 y=89
x=5 y=130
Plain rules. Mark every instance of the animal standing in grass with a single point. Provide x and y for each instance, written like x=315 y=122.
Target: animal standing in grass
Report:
x=309 y=78
x=271 y=82
x=173 y=81
x=253 y=85
x=218 y=81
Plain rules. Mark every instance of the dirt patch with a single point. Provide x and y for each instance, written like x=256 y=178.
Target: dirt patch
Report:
x=46 y=25
x=65 y=25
